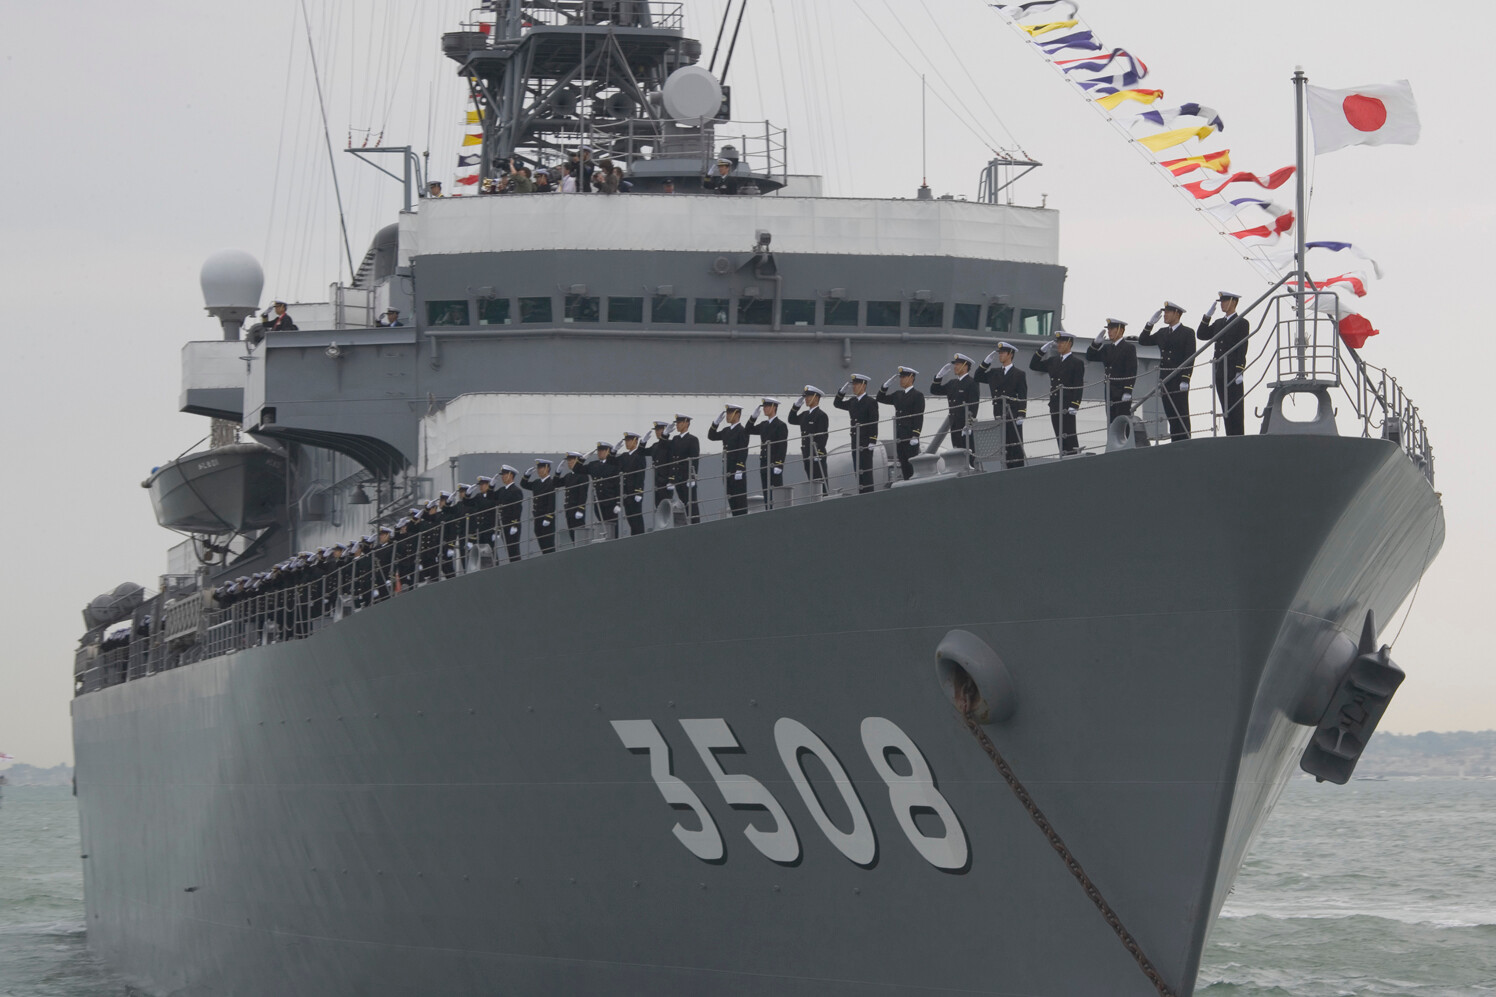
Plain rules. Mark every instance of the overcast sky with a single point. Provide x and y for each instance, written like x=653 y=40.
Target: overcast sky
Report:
x=138 y=139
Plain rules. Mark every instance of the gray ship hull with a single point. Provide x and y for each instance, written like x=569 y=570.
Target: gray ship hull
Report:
x=432 y=796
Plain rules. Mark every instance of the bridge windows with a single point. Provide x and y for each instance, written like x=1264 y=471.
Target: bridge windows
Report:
x=446 y=313
x=712 y=311
x=582 y=308
x=1037 y=322
x=630 y=310
x=966 y=317
x=840 y=311
x=926 y=315
x=755 y=311
x=493 y=311
x=883 y=314
x=535 y=311
x=668 y=311
x=999 y=318
x=797 y=311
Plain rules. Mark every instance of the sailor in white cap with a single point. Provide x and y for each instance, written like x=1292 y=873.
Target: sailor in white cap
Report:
x=405 y=554
x=1176 y=351
x=662 y=462
x=576 y=481
x=815 y=428
x=721 y=180
x=734 y=439
x=604 y=474
x=277 y=319
x=685 y=460
x=541 y=485
x=454 y=531
x=429 y=552
x=632 y=462
x=862 y=412
x=1229 y=369
x=1009 y=385
x=511 y=503
x=773 y=437
x=909 y=416
x=482 y=519
x=1067 y=382
x=1119 y=359
x=962 y=397
x=390 y=319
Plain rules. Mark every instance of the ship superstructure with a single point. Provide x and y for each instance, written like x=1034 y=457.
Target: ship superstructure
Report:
x=750 y=754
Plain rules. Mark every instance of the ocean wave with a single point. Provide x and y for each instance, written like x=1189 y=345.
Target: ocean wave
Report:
x=1479 y=918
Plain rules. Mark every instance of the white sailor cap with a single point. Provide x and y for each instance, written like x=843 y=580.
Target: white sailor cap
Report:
x=433 y=503
x=660 y=424
x=461 y=491
x=471 y=491
x=506 y=469
x=1005 y=345
x=384 y=528
x=574 y=453
x=604 y=445
x=860 y=377
x=631 y=435
x=402 y=522
x=445 y=496
x=767 y=400
x=732 y=408
x=811 y=389
x=1062 y=334
x=724 y=162
x=907 y=371
x=1223 y=295
x=541 y=461
x=339 y=546
x=961 y=358
x=1116 y=321
x=484 y=479
x=682 y=418
x=304 y=553
x=1170 y=306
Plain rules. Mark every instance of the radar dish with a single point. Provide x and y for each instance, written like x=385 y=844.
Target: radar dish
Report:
x=692 y=95
x=233 y=279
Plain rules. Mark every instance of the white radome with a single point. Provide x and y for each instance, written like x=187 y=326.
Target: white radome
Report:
x=692 y=95
x=232 y=279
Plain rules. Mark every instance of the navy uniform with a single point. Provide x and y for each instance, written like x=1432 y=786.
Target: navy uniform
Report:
x=431 y=541
x=1176 y=363
x=576 y=481
x=815 y=428
x=862 y=409
x=405 y=555
x=605 y=487
x=454 y=531
x=1119 y=358
x=383 y=556
x=659 y=457
x=908 y=416
x=1229 y=333
x=632 y=462
x=1009 y=385
x=511 y=503
x=774 y=438
x=542 y=489
x=1067 y=382
x=963 y=398
x=734 y=440
x=685 y=461
x=483 y=519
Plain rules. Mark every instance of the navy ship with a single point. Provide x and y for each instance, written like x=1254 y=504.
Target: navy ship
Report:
x=848 y=732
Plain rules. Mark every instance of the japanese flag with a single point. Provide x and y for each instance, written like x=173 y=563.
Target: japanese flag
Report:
x=1381 y=114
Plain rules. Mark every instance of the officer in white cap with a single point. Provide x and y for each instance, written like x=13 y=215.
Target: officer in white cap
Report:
x=908 y=416
x=815 y=428
x=632 y=463
x=773 y=437
x=1009 y=385
x=1067 y=382
x=862 y=410
x=1176 y=352
x=511 y=502
x=576 y=481
x=721 y=180
x=729 y=430
x=1229 y=369
x=962 y=396
x=605 y=484
x=1119 y=358
x=277 y=319
x=685 y=458
x=541 y=484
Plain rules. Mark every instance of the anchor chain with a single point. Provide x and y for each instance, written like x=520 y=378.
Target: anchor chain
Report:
x=1070 y=861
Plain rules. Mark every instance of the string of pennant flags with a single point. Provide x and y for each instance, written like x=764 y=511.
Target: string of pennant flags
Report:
x=1109 y=78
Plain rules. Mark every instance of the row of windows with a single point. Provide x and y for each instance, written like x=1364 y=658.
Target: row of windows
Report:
x=581 y=308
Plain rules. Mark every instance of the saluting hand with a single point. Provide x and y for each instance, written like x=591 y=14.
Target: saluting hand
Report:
x=1153 y=319
x=1211 y=311
x=846 y=386
x=1100 y=337
x=889 y=382
x=758 y=411
x=944 y=372
x=720 y=416
x=1047 y=348
x=987 y=360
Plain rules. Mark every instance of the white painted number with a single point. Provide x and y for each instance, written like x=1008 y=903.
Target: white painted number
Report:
x=915 y=791
x=792 y=737
x=643 y=735
x=740 y=791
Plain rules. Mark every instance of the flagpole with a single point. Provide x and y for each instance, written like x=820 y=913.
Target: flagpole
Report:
x=1299 y=83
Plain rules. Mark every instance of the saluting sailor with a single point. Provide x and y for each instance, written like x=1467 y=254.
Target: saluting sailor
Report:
x=604 y=475
x=815 y=428
x=541 y=485
x=1119 y=359
x=1067 y=381
x=774 y=436
x=660 y=458
x=734 y=440
x=1229 y=370
x=962 y=396
x=1176 y=351
x=576 y=481
x=632 y=462
x=908 y=416
x=511 y=503
x=1009 y=385
x=863 y=412
x=685 y=459
x=484 y=518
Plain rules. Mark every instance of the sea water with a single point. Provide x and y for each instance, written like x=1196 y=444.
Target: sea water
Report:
x=1372 y=889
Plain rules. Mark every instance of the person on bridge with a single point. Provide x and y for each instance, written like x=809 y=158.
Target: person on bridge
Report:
x=1067 y=382
x=862 y=409
x=908 y=416
x=1229 y=369
x=1009 y=386
x=962 y=396
x=734 y=440
x=1119 y=358
x=774 y=438
x=1176 y=363
x=815 y=428
x=541 y=485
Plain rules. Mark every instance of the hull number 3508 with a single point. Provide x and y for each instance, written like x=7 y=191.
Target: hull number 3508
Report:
x=909 y=794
